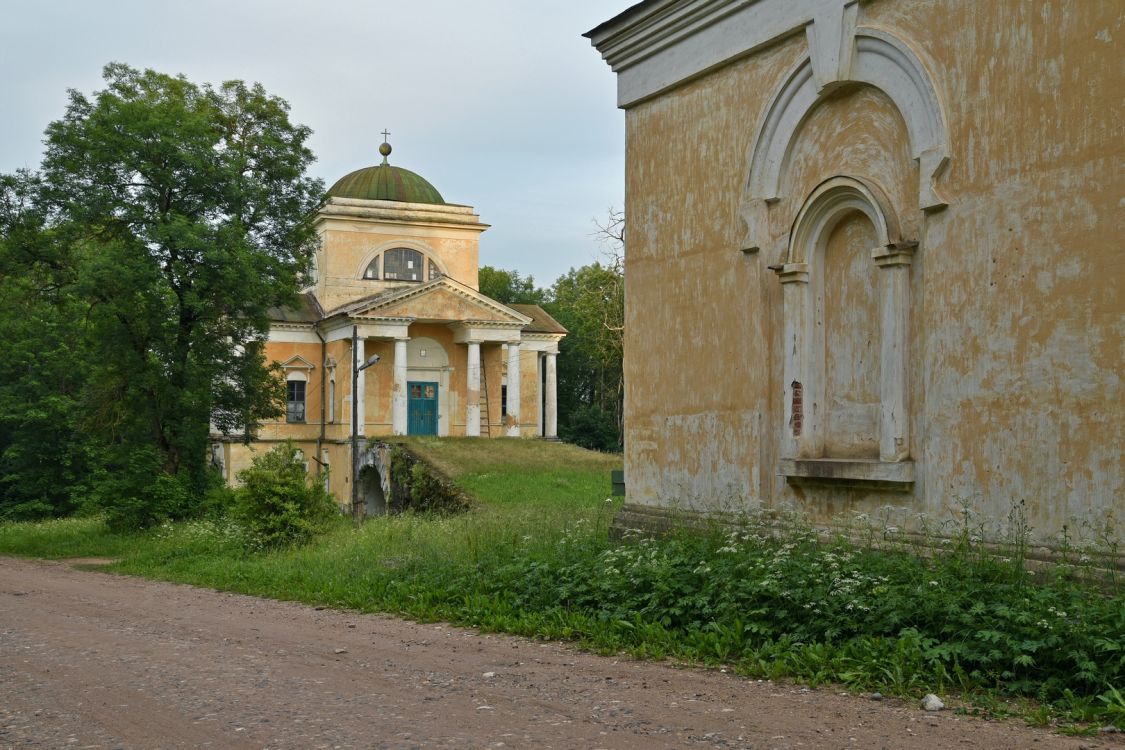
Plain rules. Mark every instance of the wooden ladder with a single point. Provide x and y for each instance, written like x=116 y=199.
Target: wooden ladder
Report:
x=486 y=420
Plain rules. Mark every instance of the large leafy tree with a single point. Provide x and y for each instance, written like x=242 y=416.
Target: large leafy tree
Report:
x=589 y=302
x=510 y=287
x=44 y=454
x=187 y=214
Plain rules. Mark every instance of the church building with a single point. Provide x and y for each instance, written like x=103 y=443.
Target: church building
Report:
x=875 y=262
x=395 y=283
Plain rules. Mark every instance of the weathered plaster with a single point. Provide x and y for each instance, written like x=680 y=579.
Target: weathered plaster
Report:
x=1012 y=339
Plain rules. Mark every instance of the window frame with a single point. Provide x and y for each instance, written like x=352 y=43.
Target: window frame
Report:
x=430 y=269
x=290 y=384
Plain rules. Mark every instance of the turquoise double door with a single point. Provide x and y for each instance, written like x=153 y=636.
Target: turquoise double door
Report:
x=422 y=408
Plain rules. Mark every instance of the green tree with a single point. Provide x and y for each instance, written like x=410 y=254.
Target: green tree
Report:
x=510 y=287
x=44 y=454
x=589 y=302
x=187 y=214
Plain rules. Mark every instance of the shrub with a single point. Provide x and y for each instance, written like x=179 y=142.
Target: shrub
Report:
x=591 y=427
x=277 y=504
x=135 y=493
x=218 y=501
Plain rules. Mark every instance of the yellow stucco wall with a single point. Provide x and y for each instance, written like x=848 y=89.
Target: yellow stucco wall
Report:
x=1017 y=312
x=335 y=446
x=347 y=248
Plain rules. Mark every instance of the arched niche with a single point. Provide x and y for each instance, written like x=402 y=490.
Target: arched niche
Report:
x=879 y=59
x=804 y=450
x=424 y=353
x=832 y=199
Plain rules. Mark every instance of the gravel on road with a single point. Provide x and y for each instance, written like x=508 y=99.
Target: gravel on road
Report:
x=90 y=660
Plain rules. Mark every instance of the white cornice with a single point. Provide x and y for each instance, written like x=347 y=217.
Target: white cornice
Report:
x=547 y=343
x=512 y=324
x=292 y=333
x=383 y=318
x=666 y=43
x=391 y=299
x=396 y=212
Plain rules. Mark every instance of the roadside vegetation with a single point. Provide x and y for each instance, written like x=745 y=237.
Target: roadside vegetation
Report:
x=533 y=557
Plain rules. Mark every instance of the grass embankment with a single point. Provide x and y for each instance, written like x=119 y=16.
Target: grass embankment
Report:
x=533 y=558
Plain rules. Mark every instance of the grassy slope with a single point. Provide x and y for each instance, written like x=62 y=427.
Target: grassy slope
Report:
x=530 y=472
x=531 y=493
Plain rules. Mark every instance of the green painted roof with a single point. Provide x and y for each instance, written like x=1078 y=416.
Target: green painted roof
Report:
x=385 y=183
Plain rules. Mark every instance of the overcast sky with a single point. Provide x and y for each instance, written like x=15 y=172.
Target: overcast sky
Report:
x=501 y=104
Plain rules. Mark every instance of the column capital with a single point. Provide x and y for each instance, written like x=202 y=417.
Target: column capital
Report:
x=792 y=273
x=895 y=254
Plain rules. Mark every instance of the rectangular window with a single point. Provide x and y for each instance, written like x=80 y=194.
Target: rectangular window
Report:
x=503 y=401
x=295 y=401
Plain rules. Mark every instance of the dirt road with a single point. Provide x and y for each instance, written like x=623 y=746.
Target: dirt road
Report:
x=89 y=660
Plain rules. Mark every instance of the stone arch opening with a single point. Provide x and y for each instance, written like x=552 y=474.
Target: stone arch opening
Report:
x=845 y=306
x=880 y=60
x=372 y=492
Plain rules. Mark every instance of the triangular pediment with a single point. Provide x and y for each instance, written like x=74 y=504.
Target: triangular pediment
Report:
x=297 y=362
x=442 y=300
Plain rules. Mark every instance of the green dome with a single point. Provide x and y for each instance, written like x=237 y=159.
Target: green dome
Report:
x=385 y=183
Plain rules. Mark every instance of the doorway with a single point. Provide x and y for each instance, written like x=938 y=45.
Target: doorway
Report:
x=371 y=490
x=422 y=408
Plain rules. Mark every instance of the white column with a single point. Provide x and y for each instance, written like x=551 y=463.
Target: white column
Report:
x=513 y=389
x=358 y=358
x=398 y=398
x=894 y=423
x=797 y=392
x=551 y=399
x=472 y=391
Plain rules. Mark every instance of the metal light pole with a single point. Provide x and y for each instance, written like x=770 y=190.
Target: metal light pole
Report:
x=357 y=368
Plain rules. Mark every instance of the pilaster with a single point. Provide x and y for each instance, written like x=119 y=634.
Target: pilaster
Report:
x=398 y=396
x=472 y=395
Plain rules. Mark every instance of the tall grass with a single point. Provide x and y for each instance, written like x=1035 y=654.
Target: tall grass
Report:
x=66 y=537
